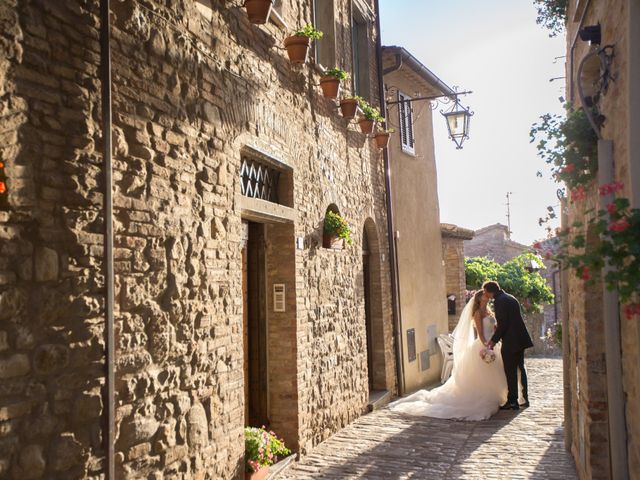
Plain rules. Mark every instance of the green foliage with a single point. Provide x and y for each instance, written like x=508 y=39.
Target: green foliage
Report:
x=618 y=230
x=262 y=448
x=552 y=14
x=334 y=224
x=513 y=276
x=569 y=145
x=369 y=112
x=337 y=73
x=309 y=31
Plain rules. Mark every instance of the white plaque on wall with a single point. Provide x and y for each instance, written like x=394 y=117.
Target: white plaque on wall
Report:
x=278 y=297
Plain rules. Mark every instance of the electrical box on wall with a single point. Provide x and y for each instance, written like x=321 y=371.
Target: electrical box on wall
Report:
x=278 y=297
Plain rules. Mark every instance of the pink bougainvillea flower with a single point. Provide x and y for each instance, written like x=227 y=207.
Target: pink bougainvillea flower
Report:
x=619 y=225
x=537 y=245
x=612 y=187
x=611 y=208
x=578 y=193
x=547 y=255
x=569 y=168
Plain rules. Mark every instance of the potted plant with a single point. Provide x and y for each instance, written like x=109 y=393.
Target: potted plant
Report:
x=258 y=11
x=261 y=449
x=382 y=135
x=330 y=81
x=297 y=45
x=370 y=116
x=336 y=231
x=348 y=107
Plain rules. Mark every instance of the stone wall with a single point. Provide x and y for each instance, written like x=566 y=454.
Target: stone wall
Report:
x=587 y=355
x=493 y=242
x=193 y=83
x=453 y=255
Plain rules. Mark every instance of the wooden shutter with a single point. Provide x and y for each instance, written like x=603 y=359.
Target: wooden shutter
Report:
x=406 y=123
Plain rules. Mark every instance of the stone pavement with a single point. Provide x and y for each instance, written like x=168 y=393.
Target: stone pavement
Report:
x=511 y=445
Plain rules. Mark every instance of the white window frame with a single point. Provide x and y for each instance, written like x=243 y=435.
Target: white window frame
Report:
x=405 y=123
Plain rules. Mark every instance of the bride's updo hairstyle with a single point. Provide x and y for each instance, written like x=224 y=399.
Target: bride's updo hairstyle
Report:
x=477 y=297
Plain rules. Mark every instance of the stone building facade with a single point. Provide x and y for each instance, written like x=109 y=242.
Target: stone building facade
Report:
x=602 y=347
x=493 y=242
x=227 y=308
x=453 y=238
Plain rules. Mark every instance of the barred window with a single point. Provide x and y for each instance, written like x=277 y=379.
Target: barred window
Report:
x=258 y=180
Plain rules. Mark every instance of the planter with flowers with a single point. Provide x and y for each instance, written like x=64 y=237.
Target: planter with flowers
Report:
x=349 y=107
x=297 y=45
x=258 y=11
x=381 y=136
x=262 y=448
x=370 y=116
x=330 y=82
x=336 y=231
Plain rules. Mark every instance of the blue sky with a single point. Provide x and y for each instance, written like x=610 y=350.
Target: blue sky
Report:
x=495 y=49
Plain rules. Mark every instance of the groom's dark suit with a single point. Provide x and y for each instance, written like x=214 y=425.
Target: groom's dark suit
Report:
x=515 y=339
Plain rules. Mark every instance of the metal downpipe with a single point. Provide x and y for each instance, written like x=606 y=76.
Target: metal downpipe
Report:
x=105 y=80
x=393 y=258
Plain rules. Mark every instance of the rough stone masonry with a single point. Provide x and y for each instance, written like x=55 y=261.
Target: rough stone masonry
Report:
x=194 y=85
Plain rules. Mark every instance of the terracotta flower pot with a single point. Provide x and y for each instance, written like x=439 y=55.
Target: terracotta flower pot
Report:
x=366 y=125
x=382 y=139
x=258 y=11
x=348 y=106
x=259 y=475
x=330 y=86
x=332 y=241
x=297 y=47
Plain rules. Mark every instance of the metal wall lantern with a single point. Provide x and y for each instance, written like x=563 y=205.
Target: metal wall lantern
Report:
x=458 y=118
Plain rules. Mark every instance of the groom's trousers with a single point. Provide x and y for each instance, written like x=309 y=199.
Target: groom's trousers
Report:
x=513 y=361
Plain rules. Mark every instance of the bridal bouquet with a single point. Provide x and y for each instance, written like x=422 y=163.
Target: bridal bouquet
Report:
x=488 y=355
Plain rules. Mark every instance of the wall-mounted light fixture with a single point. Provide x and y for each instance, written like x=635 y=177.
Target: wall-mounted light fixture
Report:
x=458 y=118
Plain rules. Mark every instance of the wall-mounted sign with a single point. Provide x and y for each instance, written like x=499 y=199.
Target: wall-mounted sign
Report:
x=278 y=297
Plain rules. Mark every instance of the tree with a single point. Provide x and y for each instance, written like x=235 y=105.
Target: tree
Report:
x=514 y=276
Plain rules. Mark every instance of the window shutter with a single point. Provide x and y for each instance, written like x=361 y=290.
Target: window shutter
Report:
x=406 y=123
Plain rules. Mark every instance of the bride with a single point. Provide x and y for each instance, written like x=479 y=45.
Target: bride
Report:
x=476 y=389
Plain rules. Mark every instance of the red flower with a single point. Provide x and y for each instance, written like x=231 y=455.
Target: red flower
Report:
x=537 y=245
x=585 y=275
x=578 y=194
x=631 y=310
x=612 y=187
x=3 y=187
x=569 y=168
x=611 y=208
x=1 y=165
x=619 y=225
x=547 y=254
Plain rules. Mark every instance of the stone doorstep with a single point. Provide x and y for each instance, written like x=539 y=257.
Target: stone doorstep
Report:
x=277 y=468
x=378 y=399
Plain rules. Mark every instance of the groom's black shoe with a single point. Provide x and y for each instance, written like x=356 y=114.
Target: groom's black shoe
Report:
x=525 y=404
x=510 y=406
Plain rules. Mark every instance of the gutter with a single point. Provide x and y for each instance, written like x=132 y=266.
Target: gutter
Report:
x=393 y=253
x=105 y=81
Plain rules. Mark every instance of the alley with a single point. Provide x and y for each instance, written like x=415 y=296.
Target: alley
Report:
x=384 y=445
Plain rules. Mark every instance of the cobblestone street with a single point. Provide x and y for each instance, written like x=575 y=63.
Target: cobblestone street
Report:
x=511 y=445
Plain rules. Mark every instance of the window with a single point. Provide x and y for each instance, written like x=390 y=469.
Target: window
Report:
x=258 y=180
x=406 y=123
x=323 y=17
x=276 y=14
x=360 y=50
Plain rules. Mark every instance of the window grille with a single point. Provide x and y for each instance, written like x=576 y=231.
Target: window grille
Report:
x=406 y=123
x=258 y=180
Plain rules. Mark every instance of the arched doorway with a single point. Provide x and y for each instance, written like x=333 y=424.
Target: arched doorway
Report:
x=372 y=296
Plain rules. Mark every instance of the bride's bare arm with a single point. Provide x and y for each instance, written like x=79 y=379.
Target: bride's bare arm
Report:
x=477 y=319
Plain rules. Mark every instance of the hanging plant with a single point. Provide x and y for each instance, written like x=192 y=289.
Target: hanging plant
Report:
x=370 y=115
x=336 y=231
x=330 y=82
x=297 y=45
x=258 y=11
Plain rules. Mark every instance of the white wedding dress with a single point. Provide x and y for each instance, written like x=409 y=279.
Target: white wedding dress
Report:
x=475 y=389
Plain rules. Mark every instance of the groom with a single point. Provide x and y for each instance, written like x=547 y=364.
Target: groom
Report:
x=515 y=339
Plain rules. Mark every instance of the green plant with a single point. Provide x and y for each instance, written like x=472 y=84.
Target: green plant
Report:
x=552 y=14
x=309 y=31
x=514 y=277
x=569 y=145
x=369 y=112
x=336 y=73
x=334 y=224
x=262 y=448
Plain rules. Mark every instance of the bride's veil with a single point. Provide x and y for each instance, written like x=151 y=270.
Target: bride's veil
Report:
x=463 y=336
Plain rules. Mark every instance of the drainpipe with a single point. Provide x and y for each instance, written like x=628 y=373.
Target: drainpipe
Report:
x=105 y=78
x=611 y=312
x=566 y=360
x=393 y=256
